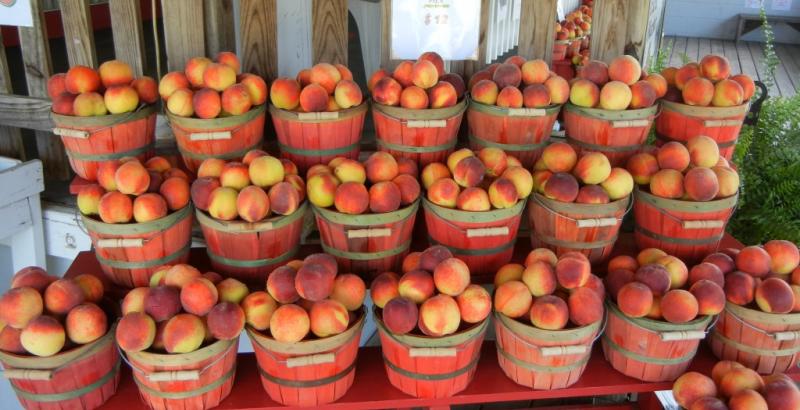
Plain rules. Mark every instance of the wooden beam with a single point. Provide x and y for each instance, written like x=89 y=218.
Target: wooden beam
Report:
x=78 y=32
x=126 y=27
x=386 y=35
x=258 y=27
x=26 y=112
x=38 y=68
x=220 y=34
x=537 y=29
x=636 y=28
x=184 y=31
x=329 y=31
x=609 y=28
x=10 y=138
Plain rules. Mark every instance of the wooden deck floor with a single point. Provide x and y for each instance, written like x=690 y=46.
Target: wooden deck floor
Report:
x=745 y=57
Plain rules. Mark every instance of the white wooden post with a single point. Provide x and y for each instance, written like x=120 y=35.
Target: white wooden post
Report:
x=21 y=211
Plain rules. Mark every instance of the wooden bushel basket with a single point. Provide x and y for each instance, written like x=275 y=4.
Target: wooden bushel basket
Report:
x=367 y=244
x=227 y=138
x=765 y=342
x=618 y=134
x=590 y=229
x=80 y=378
x=130 y=253
x=560 y=49
x=190 y=381
x=543 y=359
x=309 y=138
x=431 y=367
x=250 y=250
x=681 y=122
x=686 y=229
x=424 y=136
x=651 y=350
x=483 y=240
x=521 y=132
x=311 y=372
x=90 y=141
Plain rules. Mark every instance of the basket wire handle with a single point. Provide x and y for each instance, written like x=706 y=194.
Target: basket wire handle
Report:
x=781 y=336
x=589 y=222
x=172 y=375
x=688 y=334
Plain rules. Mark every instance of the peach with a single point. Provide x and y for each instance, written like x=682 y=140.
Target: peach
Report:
x=676 y=269
x=572 y=272
x=314 y=282
x=347 y=94
x=180 y=102
x=265 y=171
x=439 y=316
x=120 y=99
x=211 y=167
x=434 y=58
x=442 y=95
x=158 y=164
x=615 y=95
x=132 y=178
x=198 y=296
x=655 y=277
x=781 y=394
x=658 y=82
x=625 y=69
x=172 y=82
x=536 y=96
x=739 y=288
x=201 y=190
x=774 y=295
x=289 y=167
x=231 y=290
x=473 y=199
x=60 y=297
x=592 y=168
x=81 y=79
x=321 y=189
x=89 y=104
x=585 y=93
x=387 y=91
x=433 y=256
x=708 y=403
x=635 y=299
x=194 y=69
x=510 y=97
x=56 y=85
x=561 y=187
x=86 y=323
x=162 y=302
x=643 y=94
x=456 y=81
x=328 y=317
x=280 y=285
x=592 y=194
x=784 y=256
x=105 y=175
x=384 y=288
x=285 y=93
x=503 y=193
x=400 y=315
x=698 y=91
x=679 y=306
x=32 y=277
x=381 y=166
x=256 y=88
x=728 y=181
x=724 y=262
x=707 y=271
x=349 y=290
x=417 y=286
x=747 y=399
x=115 y=207
x=9 y=340
x=314 y=98
x=534 y=72
x=686 y=73
x=727 y=93
x=585 y=306
x=89 y=199
x=383 y=197
x=507 y=74
x=454 y=158
x=619 y=184
x=478 y=76
x=513 y=299
x=134 y=300
x=558 y=88
x=183 y=333
x=414 y=98
x=474 y=304
x=703 y=151
x=424 y=74
x=754 y=260
x=444 y=192
x=258 y=308
x=353 y=198
x=19 y=306
x=616 y=279
x=304 y=77
x=235 y=175
x=521 y=178
x=667 y=183
x=228 y=58
x=226 y=321
x=236 y=100
x=739 y=379
x=175 y=191
x=219 y=76
x=508 y=272
x=404 y=73
x=559 y=157
x=451 y=276
x=64 y=104
x=691 y=386
x=411 y=261
x=494 y=159
x=541 y=254
x=485 y=92
x=349 y=170
x=43 y=336
x=91 y=286
x=214 y=277
x=516 y=60
x=549 y=312
x=596 y=284
x=157 y=278
x=540 y=179
x=409 y=188
x=285 y=197
x=222 y=204
x=289 y=324
x=626 y=262
x=715 y=67
x=723 y=367
x=375 y=77
x=594 y=71
x=747 y=84
x=540 y=278
x=701 y=184
x=710 y=297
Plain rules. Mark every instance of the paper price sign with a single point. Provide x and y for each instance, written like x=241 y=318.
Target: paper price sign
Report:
x=448 y=27
x=16 y=13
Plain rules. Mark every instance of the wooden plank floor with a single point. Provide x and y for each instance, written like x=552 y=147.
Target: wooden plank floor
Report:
x=745 y=57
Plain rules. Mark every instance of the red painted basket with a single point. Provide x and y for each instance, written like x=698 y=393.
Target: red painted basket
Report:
x=680 y=122
x=90 y=141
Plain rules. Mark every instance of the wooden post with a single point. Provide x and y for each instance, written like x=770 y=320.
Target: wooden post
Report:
x=329 y=31
x=258 y=36
x=473 y=66
x=609 y=29
x=626 y=27
x=126 y=27
x=78 y=33
x=386 y=36
x=184 y=31
x=537 y=29
x=38 y=68
x=220 y=34
x=10 y=138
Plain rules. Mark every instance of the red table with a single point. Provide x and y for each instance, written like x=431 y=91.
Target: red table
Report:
x=371 y=389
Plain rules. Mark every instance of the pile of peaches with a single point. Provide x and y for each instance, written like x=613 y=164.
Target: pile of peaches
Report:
x=477 y=182
x=209 y=89
x=252 y=190
x=342 y=184
x=691 y=172
x=127 y=190
x=620 y=85
x=417 y=85
x=42 y=315
x=181 y=311
x=551 y=292
x=708 y=83
x=309 y=298
x=322 y=88
x=736 y=387
x=560 y=175
x=660 y=287
x=111 y=89
x=518 y=83
x=575 y=24
x=762 y=277
x=433 y=297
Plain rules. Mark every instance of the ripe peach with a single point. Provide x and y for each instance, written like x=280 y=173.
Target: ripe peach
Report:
x=508 y=272
x=585 y=93
x=387 y=91
x=219 y=76
x=64 y=104
x=541 y=254
x=781 y=394
x=60 y=297
x=348 y=170
x=86 y=323
x=285 y=93
x=314 y=281
x=616 y=279
x=585 y=306
x=619 y=184
x=149 y=207
x=414 y=98
x=409 y=188
x=739 y=288
x=540 y=278
x=43 y=336
x=280 y=285
x=485 y=92
x=258 y=308
x=774 y=295
x=442 y=95
x=384 y=288
x=226 y=320
x=89 y=104
x=727 y=93
x=444 y=192
x=572 y=272
x=507 y=74
x=754 y=260
x=454 y=158
x=81 y=79
x=265 y=171
x=635 y=299
x=451 y=276
x=256 y=88
x=347 y=94
x=162 y=302
x=134 y=300
x=433 y=172
x=738 y=379
x=592 y=194
x=236 y=100
x=686 y=73
x=549 y=312
x=643 y=94
x=559 y=157
x=710 y=297
x=381 y=166
x=349 y=290
x=703 y=151
x=172 y=82
x=120 y=99
x=434 y=58
x=626 y=262
x=400 y=315
x=747 y=399
x=231 y=290
x=411 y=261
x=201 y=190
x=502 y=193
x=701 y=184
x=658 y=82
x=235 y=175
x=56 y=85
x=592 y=168
x=404 y=73
x=353 y=198
x=676 y=269
x=510 y=97
x=673 y=155
x=417 y=286
x=723 y=367
x=474 y=304
x=321 y=189
x=328 y=317
x=194 y=69
x=692 y=386
x=314 y=98
x=615 y=95
x=698 y=91
x=521 y=178
x=558 y=88
x=728 y=181
x=228 y=58
x=211 y=167
x=456 y=81
x=424 y=74
x=183 y=333
x=667 y=183
x=383 y=197
x=473 y=199
x=594 y=71
x=285 y=197
x=19 y=306
x=132 y=178
x=561 y=187
x=784 y=256
x=375 y=77
x=115 y=207
x=175 y=191
x=536 y=96
x=596 y=284
x=715 y=67
x=478 y=76
x=513 y=299
x=494 y=159
x=535 y=72
x=724 y=262
x=198 y=296
x=679 y=306
x=654 y=276
x=747 y=84
x=89 y=199
x=9 y=340
x=222 y=203
x=289 y=323
x=433 y=256
x=707 y=271
x=540 y=179
x=32 y=277
x=439 y=316
x=625 y=69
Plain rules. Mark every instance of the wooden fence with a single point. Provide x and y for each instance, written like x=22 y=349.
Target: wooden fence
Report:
x=204 y=27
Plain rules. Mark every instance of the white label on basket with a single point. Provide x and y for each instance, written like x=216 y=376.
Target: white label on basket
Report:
x=369 y=233
x=596 y=222
x=526 y=112
x=432 y=352
x=721 y=123
x=69 y=132
x=629 y=123
x=311 y=116
x=702 y=224
x=120 y=243
x=310 y=360
x=683 y=335
x=176 y=375
x=426 y=123
x=210 y=136
x=562 y=350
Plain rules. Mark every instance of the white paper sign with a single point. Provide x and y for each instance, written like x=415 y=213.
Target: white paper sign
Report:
x=782 y=5
x=448 y=27
x=752 y=4
x=16 y=13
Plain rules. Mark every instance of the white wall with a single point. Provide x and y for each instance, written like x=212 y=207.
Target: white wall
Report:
x=719 y=19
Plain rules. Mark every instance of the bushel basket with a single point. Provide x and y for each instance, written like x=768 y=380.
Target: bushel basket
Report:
x=681 y=122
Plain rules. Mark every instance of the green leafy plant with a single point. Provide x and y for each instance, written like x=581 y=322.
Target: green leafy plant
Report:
x=770 y=60
x=660 y=59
